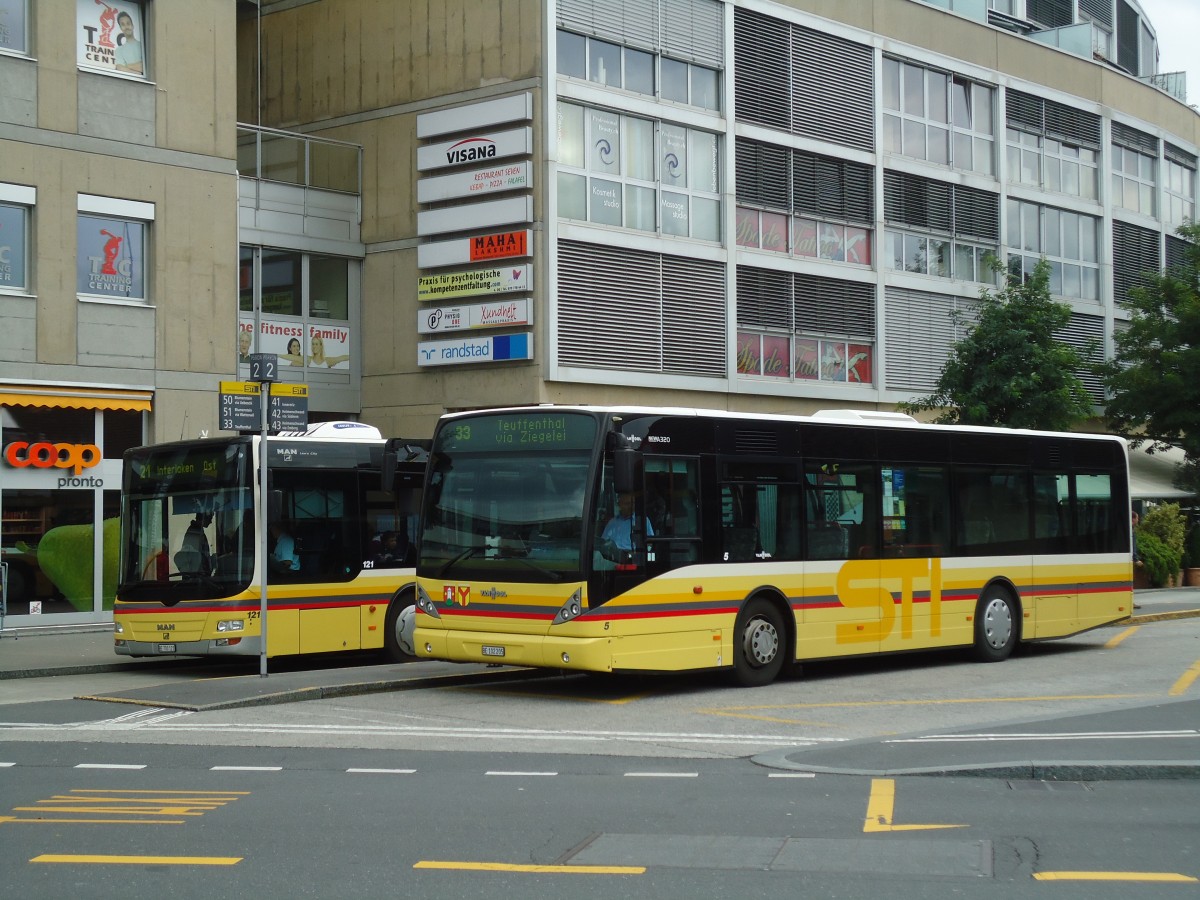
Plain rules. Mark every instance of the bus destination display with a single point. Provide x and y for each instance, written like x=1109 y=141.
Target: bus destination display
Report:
x=521 y=431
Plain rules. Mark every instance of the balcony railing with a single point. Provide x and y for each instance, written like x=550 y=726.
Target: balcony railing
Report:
x=299 y=159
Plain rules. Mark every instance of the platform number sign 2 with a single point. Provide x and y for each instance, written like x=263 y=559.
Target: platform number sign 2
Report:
x=264 y=367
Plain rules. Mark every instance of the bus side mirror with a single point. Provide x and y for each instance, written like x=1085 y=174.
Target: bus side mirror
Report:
x=626 y=466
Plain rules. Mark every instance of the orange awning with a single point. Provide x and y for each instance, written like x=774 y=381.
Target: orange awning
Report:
x=75 y=397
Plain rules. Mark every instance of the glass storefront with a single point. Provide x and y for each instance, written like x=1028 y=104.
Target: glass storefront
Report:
x=60 y=478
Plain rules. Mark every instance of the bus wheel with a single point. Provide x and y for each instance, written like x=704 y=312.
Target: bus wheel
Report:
x=398 y=628
x=996 y=625
x=758 y=644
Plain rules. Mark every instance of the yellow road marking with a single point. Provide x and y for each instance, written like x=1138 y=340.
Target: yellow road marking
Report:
x=139 y=860
x=48 y=821
x=515 y=867
x=165 y=811
x=1120 y=637
x=1185 y=680
x=1113 y=876
x=232 y=795
x=880 y=806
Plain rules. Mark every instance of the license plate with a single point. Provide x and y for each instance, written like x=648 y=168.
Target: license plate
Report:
x=489 y=650
x=166 y=648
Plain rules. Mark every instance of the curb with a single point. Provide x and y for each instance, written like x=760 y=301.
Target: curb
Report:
x=327 y=692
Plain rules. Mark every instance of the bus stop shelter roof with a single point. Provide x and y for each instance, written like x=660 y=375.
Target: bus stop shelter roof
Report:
x=1152 y=475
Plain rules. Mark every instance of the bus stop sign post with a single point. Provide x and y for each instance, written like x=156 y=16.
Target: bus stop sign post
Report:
x=264 y=368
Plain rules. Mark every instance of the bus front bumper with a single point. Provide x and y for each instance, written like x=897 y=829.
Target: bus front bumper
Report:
x=247 y=646
x=552 y=651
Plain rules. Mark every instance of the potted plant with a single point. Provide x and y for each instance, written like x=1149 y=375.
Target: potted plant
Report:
x=1167 y=525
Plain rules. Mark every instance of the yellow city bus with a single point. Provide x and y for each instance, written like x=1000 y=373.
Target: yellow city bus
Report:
x=757 y=540
x=191 y=555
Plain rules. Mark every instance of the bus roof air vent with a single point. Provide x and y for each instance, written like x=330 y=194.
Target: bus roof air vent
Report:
x=746 y=440
x=864 y=415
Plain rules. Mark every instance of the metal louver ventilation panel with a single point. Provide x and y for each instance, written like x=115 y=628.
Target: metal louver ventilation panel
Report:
x=976 y=213
x=761 y=85
x=833 y=89
x=609 y=307
x=1127 y=37
x=1051 y=13
x=764 y=298
x=633 y=22
x=1086 y=334
x=834 y=307
x=1134 y=139
x=1048 y=117
x=1025 y=111
x=1074 y=125
x=833 y=188
x=694 y=317
x=746 y=440
x=1100 y=10
x=1180 y=156
x=762 y=174
x=1135 y=252
x=917 y=202
x=693 y=30
x=920 y=334
x=1178 y=251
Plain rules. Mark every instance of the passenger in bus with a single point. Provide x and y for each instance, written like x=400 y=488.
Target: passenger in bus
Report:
x=394 y=550
x=284 y=557
x=195 y=555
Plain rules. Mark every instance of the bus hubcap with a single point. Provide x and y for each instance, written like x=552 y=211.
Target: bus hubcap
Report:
x=997 y=623
x=761 y=642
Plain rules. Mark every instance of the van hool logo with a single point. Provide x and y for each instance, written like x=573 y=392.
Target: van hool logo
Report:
x=470 y=150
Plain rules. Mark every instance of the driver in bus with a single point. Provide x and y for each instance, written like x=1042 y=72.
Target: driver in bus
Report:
x=618 y=535
x=195 y=555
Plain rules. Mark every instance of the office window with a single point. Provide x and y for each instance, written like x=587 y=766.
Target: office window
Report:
x=110 y=260
x=111 y=36
x=1067 y=240
x=14 y=247
x=639 y=71
x=1179 y=180
x=938 y=117
x=14 y=25
x=305 y=316
x=1133 y=182
x=637 y=173
x=1052 y=146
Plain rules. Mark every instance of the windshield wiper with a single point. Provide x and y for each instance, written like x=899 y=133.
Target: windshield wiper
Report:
x=455 y=560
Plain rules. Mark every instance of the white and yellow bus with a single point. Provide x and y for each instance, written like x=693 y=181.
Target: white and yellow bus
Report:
x=756 y=541
x=340 y=493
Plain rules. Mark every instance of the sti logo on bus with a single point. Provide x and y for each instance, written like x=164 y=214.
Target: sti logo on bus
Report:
x=457 y=592
x=470 y=150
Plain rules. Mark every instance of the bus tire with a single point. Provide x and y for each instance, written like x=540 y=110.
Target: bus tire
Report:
x=997 y=624
x=394 y=641
x=758 y=644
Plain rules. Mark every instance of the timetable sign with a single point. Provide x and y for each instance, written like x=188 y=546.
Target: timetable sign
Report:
x=238 y=408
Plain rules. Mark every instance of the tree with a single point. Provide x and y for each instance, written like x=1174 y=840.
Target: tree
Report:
x=1154 y=377
x=1010 y=370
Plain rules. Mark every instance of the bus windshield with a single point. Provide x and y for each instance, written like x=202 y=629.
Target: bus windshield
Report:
x=506 y=496
x=189 y=522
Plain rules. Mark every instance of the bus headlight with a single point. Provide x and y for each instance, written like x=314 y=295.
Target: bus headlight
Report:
x=425 y=605
x=571 y=609
x=118 y=627
x=230 y=625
